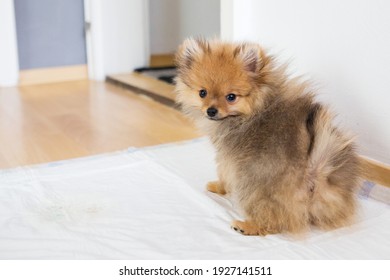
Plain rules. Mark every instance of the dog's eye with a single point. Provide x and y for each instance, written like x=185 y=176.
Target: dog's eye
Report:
x=202 y=93
x=231 y=97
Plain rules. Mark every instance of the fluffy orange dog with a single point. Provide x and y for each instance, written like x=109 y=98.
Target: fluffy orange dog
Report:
x=277 y=150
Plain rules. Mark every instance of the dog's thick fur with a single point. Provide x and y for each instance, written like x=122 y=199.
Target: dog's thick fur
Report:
x=277 y=149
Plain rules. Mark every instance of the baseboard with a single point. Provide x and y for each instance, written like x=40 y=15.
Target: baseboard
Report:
x=375 y=171
x=53 y=75
x=160 y=91
x=158 y=60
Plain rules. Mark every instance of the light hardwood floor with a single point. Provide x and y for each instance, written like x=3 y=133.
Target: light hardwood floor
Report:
x=43 y=123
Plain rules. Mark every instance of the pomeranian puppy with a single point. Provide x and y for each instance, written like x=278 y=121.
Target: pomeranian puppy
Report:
x=277 y=150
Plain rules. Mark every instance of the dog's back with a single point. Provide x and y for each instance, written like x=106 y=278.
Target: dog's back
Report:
x=291 y=153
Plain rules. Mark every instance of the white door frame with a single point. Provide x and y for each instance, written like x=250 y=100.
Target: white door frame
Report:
x=234 y=27
x=94 y=39
x=226 y=19
x=98 y=23
x=9 y=65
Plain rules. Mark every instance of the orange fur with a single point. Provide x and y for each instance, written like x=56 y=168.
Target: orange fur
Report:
x=278 y=152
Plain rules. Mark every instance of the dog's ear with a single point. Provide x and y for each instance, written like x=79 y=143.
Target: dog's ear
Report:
x=188 y=51
x=250 y=55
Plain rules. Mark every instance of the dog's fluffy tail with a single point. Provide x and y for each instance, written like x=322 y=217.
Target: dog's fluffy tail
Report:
x=330 y=150
x=334 y=171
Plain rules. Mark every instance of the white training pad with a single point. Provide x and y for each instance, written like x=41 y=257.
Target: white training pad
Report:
x=151 y=203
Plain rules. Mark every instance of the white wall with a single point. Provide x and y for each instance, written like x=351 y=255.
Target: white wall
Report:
x=343 y=45
x=118 y=40
x=171 y=21
x=125 y=31
x=9 y=66
x=164 y=24
x=200 y=17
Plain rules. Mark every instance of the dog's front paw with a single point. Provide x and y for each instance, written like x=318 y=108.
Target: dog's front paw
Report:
x=216 y=187
x=248 y=228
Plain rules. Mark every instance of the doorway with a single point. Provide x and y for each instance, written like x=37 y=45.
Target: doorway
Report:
x=51 y=40
x=171 y=21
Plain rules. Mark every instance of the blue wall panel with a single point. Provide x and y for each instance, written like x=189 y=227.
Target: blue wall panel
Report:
x=50 y=33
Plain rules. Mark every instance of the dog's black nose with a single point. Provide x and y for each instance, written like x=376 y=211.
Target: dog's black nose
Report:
x=211 y=112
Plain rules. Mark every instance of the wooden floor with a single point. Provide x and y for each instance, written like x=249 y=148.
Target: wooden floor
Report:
x=52 y=122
